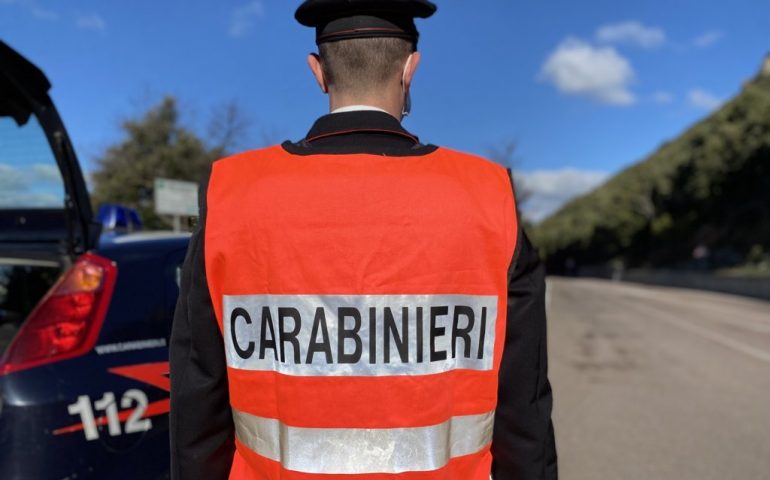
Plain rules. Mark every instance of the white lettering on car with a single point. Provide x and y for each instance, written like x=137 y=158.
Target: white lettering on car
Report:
x=134 y=402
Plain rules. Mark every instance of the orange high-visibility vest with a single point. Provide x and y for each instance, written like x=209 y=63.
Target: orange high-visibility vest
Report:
x=362 y=303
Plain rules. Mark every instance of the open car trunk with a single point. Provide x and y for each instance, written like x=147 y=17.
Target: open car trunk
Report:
x=45 y=212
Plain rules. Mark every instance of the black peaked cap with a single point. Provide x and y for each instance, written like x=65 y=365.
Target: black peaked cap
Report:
x=345 y=19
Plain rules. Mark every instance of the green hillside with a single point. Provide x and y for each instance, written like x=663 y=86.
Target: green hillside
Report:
x=709 y=188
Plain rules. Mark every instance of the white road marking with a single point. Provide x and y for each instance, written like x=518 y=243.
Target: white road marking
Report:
x=653 y=294
x=723 y=340
x=753 y=324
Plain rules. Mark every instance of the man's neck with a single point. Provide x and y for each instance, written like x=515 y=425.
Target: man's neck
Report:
x=337 y=105
x=359 y=108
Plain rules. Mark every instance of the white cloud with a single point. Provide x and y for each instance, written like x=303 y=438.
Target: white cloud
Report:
x=10 y=177
x=599 y=73
x=37 y=186
x=662 y=97
x=90 y=21
x=41 y=12
x=33 y=8
x=244 y=18
x=30 y=200
x=45 y=173
x=632 y=33
x=708 y=39
x=703 y=99
x=549 y=190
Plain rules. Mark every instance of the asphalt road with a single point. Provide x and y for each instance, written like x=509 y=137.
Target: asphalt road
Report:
x=657 y=383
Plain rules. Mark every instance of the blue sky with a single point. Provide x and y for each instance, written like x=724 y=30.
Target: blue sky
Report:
x=583 y=88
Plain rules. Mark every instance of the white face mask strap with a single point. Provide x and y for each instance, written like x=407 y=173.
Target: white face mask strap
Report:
x=407 y=96
x=406 y=67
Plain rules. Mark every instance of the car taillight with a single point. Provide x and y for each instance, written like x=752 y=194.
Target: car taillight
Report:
x=67 y=321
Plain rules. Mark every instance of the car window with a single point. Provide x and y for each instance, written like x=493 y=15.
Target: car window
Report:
x=29 y=175
x=21 y=287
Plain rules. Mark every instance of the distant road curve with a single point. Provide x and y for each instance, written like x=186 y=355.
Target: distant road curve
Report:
x=658 y=383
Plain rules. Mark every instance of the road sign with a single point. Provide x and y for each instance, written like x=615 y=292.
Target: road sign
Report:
x=175 y=197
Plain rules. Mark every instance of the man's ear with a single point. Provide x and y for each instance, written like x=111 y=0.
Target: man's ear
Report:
x=314 y=62
x=411 y=67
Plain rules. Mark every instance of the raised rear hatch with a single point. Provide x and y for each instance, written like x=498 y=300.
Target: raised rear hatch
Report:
x=46 y=218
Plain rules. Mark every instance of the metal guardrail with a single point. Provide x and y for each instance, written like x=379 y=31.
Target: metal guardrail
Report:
x=755 y=287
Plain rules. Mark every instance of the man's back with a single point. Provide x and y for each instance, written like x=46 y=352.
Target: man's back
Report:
x=362 y=283
x=357 y=304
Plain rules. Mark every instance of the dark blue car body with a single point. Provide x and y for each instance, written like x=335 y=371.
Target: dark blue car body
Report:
x=103 y=413
x=35 y=401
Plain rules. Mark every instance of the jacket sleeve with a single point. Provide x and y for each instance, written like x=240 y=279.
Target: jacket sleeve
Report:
x=200 y=422
x=523 y=446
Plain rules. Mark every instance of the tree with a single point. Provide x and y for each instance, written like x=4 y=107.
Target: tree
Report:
x=157 y=145
x=505 y=155
x=228 y=127
x=710 y=187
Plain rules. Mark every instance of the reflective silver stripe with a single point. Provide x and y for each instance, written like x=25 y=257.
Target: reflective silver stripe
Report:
x=364 y=450
x=428 y=330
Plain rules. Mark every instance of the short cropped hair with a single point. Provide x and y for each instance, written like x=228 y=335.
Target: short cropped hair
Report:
x=360 y=65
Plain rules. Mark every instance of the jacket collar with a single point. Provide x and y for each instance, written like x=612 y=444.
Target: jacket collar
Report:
x=366 y=121
x=360 y=132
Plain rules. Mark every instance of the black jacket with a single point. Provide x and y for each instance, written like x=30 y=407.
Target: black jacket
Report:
x=201 y=425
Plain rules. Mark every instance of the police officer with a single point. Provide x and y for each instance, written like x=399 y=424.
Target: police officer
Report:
x=359 y=304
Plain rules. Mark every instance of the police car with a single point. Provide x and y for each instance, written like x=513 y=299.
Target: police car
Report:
x=84 y=317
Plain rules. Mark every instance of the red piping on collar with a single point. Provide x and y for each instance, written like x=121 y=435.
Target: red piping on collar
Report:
x=354 y=130
x=363 y=30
